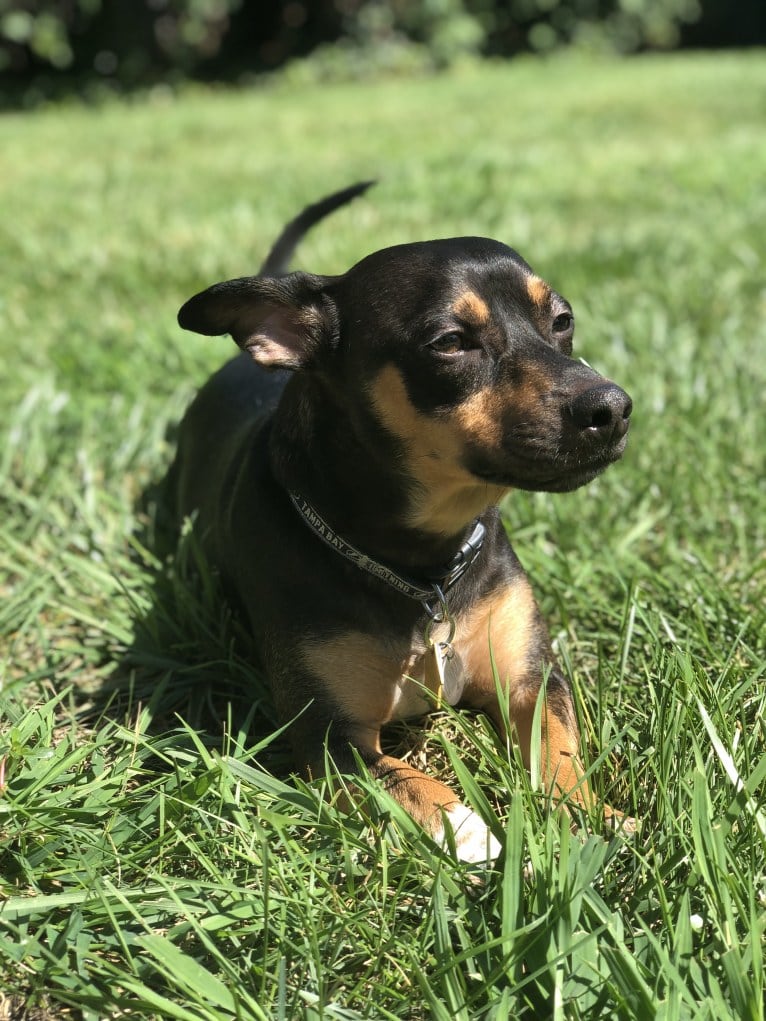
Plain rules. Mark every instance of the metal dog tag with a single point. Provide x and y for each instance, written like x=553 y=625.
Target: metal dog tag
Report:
x=443 y=673
x=434 y=670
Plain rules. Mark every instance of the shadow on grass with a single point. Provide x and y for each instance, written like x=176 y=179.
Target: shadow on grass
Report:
x=191 y=663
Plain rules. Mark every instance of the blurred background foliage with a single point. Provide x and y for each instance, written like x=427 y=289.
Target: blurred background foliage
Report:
x=50 y=47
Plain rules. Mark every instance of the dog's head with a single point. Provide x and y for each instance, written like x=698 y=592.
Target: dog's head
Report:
x=454 y=348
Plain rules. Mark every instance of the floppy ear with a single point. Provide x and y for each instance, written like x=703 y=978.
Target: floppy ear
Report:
x=280 y=321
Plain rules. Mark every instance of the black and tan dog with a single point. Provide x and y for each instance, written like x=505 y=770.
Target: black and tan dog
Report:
x=350 y=502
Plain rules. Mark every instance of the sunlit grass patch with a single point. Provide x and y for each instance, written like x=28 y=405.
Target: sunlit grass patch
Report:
x=157 y=859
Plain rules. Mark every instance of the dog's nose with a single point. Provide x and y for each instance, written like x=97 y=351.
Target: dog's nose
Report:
x=602 y=411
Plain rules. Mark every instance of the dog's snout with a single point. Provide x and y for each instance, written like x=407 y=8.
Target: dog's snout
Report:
x=602 y=411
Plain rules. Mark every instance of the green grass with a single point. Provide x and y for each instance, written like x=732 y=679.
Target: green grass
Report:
x=157 y=860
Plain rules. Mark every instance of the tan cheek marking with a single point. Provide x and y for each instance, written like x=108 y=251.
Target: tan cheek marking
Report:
x=364 y=680
x=480 y=418
x=394 y=408
x=470 y=306
x=528 y=397
x=450 y=508
x=444 y=495
x=537 y=290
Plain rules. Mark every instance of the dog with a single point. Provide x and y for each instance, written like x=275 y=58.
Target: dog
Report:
x=348 y=497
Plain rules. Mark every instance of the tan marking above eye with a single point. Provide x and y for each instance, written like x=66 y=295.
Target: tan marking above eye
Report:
x=471 y=306
x=444 y=495
x=537 y=290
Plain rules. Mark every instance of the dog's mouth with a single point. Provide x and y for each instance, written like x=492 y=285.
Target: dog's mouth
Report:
x=542 y=471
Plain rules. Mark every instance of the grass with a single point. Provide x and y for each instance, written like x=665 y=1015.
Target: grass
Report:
x=157 y=860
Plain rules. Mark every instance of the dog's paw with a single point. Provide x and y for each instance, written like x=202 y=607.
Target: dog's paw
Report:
x=618 y=822
x=473 y=838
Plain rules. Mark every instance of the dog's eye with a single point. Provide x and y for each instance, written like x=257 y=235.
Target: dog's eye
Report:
x=563 y=323
x=450 y=344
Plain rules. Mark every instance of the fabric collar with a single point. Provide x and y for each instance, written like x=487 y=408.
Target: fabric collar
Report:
x=435 y=582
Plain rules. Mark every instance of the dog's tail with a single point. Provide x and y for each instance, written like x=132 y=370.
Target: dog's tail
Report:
x=278 y=259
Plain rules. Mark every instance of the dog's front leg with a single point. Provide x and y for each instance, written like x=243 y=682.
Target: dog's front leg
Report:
x=359 y=684
x=560 y=768
x=430 y=803
x=435 y=807
x=506 y=654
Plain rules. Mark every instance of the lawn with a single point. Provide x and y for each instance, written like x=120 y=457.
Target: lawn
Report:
x=157 y=859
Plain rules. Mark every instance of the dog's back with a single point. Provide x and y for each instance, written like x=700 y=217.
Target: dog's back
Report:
x=229 y=411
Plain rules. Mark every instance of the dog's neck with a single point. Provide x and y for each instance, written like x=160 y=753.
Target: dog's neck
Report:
x=356 y=486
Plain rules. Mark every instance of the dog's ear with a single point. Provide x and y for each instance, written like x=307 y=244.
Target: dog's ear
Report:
x=281 y=321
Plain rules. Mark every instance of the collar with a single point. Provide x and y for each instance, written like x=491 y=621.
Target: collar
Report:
x=434 y=583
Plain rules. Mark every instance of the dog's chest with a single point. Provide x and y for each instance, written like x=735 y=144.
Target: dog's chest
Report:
x=376 y=680
x=372 y=678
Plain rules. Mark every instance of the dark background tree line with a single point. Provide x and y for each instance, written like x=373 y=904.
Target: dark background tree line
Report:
x=50 y=46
